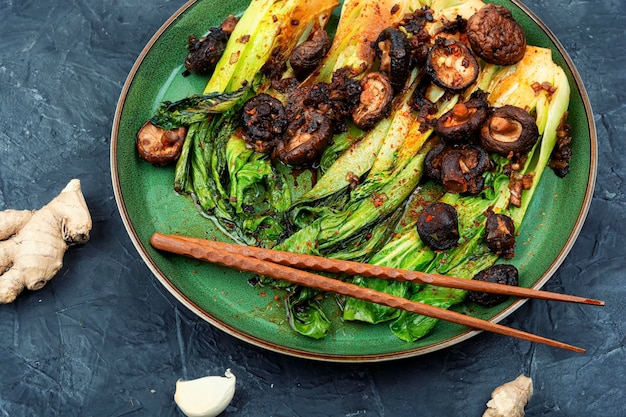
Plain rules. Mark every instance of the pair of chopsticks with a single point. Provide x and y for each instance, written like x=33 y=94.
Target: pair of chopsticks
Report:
x=282 y=265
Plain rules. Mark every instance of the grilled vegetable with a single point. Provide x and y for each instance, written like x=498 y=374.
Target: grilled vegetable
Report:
x=159 y=146
x=370 y=186
x=267 y=30
x=495 y=35
x=451 y=65
x=509 y=130
x=501 y=274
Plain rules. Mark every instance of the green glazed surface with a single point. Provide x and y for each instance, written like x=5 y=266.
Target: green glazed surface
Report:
x=222 y=296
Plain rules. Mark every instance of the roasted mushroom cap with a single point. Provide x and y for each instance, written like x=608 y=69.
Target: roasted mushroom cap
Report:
x=495 y=36
x=451 y=65
x=509 y=131
x=500 y=235
x=159 y=146
x=307 y=56
x=264 y=121
x=306 y=139
x=393 y=50
x=500 y=274
x=206 y=51
x=458 y=168
x=375 y=100
x=460 y=124
x=432 y=163
x=438 y=226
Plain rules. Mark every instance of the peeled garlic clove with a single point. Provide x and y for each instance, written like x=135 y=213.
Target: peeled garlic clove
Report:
x=205 y=397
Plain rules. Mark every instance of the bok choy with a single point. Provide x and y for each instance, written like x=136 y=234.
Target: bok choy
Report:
x=508 y=85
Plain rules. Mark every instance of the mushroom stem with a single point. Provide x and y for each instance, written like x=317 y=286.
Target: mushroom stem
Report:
x=504 y=126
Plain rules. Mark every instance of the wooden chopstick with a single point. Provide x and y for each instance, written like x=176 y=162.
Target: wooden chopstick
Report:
x=319 y=263
x=196 y=248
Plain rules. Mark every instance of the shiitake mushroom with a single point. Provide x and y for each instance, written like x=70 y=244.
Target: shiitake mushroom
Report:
x=500 y=234
x=206 y=51
x=451 y=65
x=393 y=49
x=458 y=168
x=438 y=226
x=374 y=102
x=305 y=139
x=264 y=121
x=307 y=56
x=159 y=146
x=464 y=120
x=499 y=274
x=495 y=36
x=462 y=169
x=510 y=130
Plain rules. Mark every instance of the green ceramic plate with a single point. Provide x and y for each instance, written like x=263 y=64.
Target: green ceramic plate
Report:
x=148 y=204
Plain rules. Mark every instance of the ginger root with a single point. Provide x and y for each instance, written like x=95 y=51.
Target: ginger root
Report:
x=509 y=400
x=32 y=243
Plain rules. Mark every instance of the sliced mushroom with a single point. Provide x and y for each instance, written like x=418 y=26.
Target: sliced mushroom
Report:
x=159 y=146
x=495 y=36
x=438 y=226
x=375 y=100
x=451 y=65
x=509 y=131
x=306 y=139
x=264 y=121
x=393 y=50
x=500 y=235
x=206 y=51
x=461 y=124
x=500 y=274
x=307 y=56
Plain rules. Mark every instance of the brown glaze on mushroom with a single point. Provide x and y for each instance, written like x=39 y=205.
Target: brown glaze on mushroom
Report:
x=517 y=184
x=206 y=51
x=307 y=56
x=499 y=274
x=438 y=226
x=394 y=51
x=415 y=24
x=337 y=99
x=264 y=121
x=451 y=65
x=500 y=235
x=458 y=168
x=461 y=124
x=495 y=36
x=509 y=131
x=562 y=152
x=375 y=100
x=306 y=138
x=159 y=146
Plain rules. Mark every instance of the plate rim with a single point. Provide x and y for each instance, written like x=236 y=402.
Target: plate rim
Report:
x=350 y=358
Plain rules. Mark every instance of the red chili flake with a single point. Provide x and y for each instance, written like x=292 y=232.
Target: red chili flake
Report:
x=276 y=297
x=262 y=294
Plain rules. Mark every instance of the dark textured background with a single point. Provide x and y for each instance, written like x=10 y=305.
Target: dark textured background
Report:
x=104 y=339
